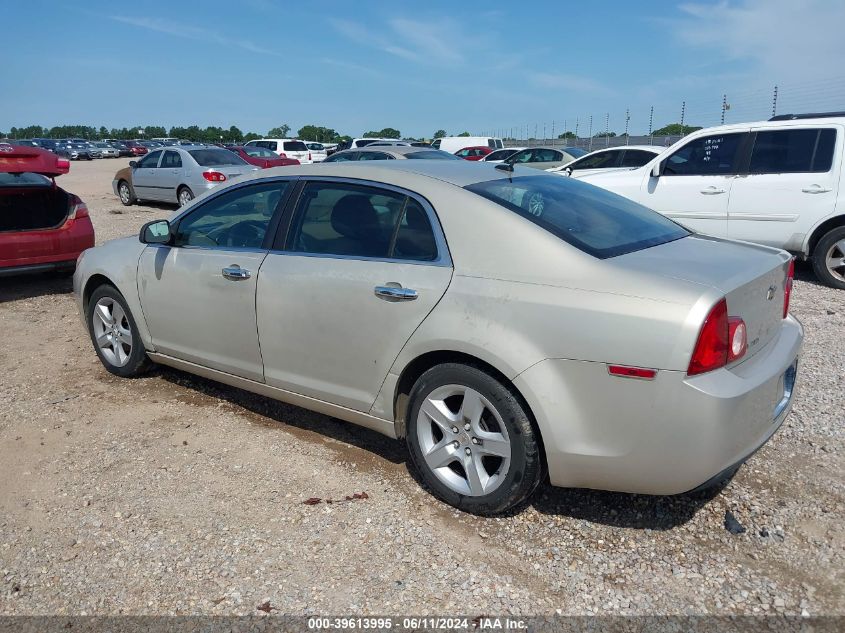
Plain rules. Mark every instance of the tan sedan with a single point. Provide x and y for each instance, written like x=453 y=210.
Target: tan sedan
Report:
x=506 y=323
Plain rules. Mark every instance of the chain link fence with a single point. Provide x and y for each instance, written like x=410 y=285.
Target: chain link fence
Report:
x=638 y=127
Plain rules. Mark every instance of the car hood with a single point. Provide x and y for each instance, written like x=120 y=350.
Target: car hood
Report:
x=18 y=159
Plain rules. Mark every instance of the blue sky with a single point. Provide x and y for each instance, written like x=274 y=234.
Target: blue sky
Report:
x=415 y=66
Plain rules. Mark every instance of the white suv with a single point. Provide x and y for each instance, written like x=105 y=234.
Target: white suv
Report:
x=774 y=182
x=289 y=147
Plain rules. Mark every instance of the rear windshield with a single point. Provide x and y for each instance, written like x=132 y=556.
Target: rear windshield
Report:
x=25 y=179
x=593 y=220
x=262 y=152
x=214 y=157
x=294 y=146
x=432 y=153
x=365 y=142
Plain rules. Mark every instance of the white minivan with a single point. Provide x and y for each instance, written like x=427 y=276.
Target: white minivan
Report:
x=288 y=147
x=453 y=144
x=775 y=182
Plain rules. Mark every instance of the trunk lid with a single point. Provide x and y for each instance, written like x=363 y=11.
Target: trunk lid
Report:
x=19 y=159
x=752 y=278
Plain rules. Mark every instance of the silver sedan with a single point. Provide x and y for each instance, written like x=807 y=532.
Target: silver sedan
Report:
x=177 y=174
x=507 y=323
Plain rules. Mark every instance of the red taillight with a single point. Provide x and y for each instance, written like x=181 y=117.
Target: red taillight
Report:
x=78 y=209
x=309 y=155
x=738 y=338
x=283 y=155
x=711 y=350
x=213 y=176
x=787 y=287
x=63 y=164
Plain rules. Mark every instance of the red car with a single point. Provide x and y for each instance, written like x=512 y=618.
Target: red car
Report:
x=136 y=148
x=473 y=153
x=261 y=156
x=42 y=226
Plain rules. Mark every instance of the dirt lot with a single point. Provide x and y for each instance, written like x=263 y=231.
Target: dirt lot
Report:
x=170 y=494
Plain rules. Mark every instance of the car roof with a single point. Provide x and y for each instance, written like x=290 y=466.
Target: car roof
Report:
x=781 y=123
x=396 y=150
x=459 y=173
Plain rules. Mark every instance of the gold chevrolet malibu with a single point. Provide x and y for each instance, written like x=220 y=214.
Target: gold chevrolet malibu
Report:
x=509 y=325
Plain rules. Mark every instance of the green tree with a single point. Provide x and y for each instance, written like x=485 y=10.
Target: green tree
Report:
x=675 y=129
x=235 y=135
x=440 y=134
x=279 y=132
x=567 y=134
x=464 y=134
x=604 y=134
x=387 y=132
x=250 y=136
x=153 y=131
x=317 y=133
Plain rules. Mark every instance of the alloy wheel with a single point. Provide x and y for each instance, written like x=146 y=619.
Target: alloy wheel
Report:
x=125 y=194
x=463 y=440
x=112 y=331
x=835 y=260
x=185 y=196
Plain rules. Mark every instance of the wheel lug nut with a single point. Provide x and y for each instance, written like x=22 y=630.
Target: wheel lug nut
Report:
x=456 y=444
x=468 y=451
x=454 y=429
x=466 y=426
x=475 y=440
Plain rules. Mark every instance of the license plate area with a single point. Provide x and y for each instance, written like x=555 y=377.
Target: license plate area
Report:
x=787 y=389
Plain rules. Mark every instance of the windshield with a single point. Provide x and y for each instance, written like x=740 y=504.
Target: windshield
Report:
x=214 y=157
x=576 y=152
x=433 y=153
x=593 y=220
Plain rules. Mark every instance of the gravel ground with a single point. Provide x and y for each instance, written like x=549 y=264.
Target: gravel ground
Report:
x=174 y=495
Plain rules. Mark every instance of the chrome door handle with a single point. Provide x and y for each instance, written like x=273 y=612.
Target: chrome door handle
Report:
x=236 y=273
x=815 y=189
x=712 y=191
x=392 y=293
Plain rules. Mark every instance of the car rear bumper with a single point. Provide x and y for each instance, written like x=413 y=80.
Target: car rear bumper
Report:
x=47 y=249
x=664 y=436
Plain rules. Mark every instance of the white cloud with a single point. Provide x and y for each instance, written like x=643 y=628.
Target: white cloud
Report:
x=785 y=40
x=412 y=40
x=192 y=33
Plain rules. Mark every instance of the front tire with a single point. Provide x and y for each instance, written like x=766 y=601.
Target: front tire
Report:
x=114 y=333
x=829 y=258
x=184 y=196
x=124 y=192
x=472 y=440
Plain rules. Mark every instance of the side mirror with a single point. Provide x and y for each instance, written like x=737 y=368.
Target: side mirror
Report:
x=657 y=170
x=155 y=232
x=133 y=164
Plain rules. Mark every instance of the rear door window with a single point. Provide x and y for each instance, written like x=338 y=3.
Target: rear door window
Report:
x=636 y=158
x=171 y=159
x=344 y=219
x=793 y=151
x=593 y=220
x=706 y=156
x=600 y=160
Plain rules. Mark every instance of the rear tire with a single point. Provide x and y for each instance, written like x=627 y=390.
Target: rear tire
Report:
x=184 y=196
x=472 y=440
x=114 y=333
x=829 y=258
x=124 y=192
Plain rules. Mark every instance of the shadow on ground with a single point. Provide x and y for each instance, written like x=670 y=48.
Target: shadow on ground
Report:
x=34 y=285
x=607 y=508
